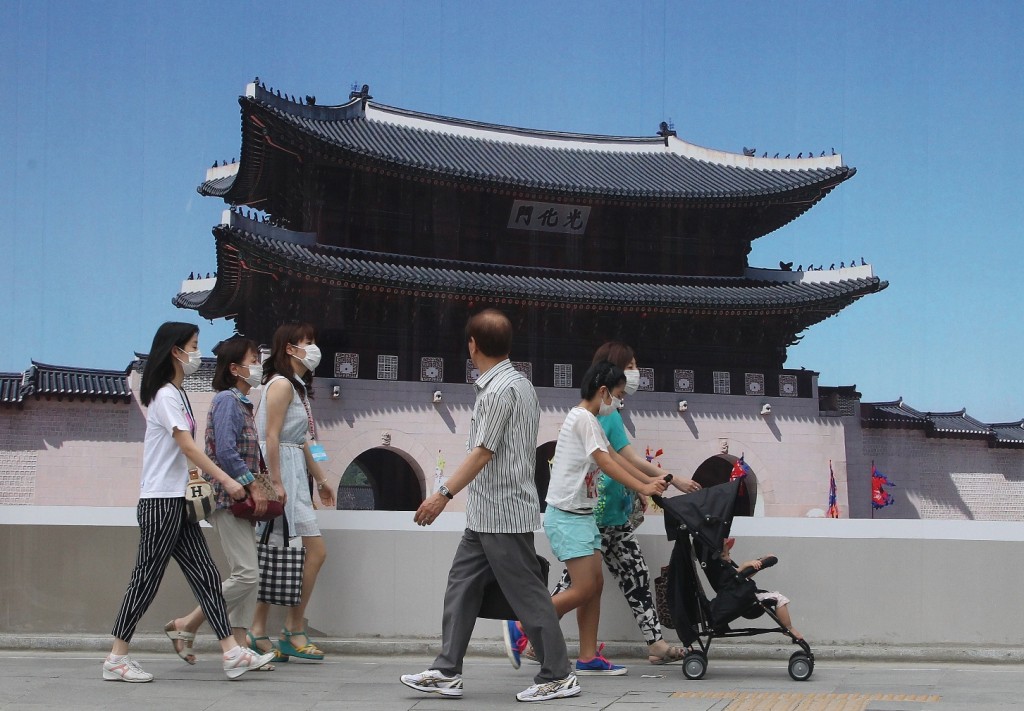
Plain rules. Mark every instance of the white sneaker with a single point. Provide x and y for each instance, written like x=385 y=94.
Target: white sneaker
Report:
x=246 y=661
x=434 y=682
x=561 y=689
x=125 y=669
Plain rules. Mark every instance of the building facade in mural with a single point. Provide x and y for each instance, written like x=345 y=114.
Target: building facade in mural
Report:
x=386 y=228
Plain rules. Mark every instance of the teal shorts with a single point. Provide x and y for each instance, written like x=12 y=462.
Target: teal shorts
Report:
x=571 y=535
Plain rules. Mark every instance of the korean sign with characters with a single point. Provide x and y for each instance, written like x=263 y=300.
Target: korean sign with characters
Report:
x=548 y=217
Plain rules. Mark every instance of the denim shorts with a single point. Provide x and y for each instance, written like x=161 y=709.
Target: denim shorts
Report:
x=571 y=535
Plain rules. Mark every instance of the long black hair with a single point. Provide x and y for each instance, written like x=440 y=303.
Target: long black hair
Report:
x=601 y=373
x=159 y=368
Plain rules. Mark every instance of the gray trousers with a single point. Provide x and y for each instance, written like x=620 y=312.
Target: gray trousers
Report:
x=238 y=540
x=511 y=559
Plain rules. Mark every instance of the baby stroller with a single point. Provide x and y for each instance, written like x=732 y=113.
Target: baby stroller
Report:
x=698 y=523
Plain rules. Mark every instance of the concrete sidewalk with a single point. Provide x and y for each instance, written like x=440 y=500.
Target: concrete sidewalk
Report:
x=768 y=647
x=71 y=680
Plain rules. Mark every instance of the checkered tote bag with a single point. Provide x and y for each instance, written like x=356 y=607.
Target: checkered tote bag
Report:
x=280 y=569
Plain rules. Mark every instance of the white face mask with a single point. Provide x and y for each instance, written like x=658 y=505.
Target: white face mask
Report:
x=607 y=408
x=312 y=359
x=616 y=403
x=632 y=380
x=195 y=359
x=255 y=376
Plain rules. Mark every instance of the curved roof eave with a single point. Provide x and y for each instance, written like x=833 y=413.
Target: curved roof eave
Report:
x=617 y=168
x=240 y=246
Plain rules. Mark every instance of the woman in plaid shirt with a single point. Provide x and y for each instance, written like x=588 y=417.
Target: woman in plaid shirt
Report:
x=233 y=443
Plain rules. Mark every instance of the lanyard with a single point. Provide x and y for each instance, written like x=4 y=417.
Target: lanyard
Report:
x=188 y=412
x=309 y=413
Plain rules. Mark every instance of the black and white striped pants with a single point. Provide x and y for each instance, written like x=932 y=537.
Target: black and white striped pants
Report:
x=625 y=561
x=164 y=533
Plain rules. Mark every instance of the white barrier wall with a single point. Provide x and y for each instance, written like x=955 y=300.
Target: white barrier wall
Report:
x=859 y=582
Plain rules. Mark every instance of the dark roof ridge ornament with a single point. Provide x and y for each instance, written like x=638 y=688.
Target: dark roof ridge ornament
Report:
x=363 y=94
x=666 y=129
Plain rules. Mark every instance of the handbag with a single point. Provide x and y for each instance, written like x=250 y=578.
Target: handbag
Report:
x=495 y=606
x=661 y=597
x=280 y=569
x=199 y=498
x=246 y=507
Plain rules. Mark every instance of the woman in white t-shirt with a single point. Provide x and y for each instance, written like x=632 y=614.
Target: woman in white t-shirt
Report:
x=581 y=454
x=164 y=532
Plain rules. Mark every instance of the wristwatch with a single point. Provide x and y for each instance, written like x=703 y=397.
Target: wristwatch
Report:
x=443 y=491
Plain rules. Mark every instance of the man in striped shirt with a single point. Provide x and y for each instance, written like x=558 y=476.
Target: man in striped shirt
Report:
x=502 y=512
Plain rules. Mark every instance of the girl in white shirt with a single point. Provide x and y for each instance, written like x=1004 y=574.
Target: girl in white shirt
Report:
x=581 y=454
x=164 y=531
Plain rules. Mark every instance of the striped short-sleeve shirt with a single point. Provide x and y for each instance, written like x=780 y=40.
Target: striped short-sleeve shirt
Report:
x=506 y=417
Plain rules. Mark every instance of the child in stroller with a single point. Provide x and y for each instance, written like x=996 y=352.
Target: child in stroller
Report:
x=699 y=524
x=774 y=598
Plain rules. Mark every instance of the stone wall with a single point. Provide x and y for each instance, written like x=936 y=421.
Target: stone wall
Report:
x=945 y=478
x=88 y=453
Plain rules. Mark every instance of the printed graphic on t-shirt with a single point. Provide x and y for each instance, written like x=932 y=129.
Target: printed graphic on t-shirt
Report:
x=591 y=482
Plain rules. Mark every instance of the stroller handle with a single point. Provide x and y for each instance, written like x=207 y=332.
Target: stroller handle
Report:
x=766 y=562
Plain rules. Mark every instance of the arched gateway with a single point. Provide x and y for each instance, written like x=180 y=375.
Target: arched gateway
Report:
x=380 y=479
x=717 y=470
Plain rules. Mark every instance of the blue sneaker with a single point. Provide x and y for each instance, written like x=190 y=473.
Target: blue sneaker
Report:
x=515 y=641
x=599 y=666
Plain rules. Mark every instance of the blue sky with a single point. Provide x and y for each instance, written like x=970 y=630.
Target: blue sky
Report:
x=113 y=111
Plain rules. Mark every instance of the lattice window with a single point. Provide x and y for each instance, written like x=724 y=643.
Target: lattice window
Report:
x=646 y=379
x=346 y=365
x=787 y=386
x=387 y=367
x=723 y=385
x=525 y=368
x=682 y=380
x=432 y=370
x=563 y=375
x=471 y=371
x=753 y=383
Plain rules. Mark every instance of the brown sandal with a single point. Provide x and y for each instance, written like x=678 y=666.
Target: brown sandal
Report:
x=671 y=655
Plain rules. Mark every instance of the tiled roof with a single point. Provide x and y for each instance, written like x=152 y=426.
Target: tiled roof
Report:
x=62 y=381
x=656 y=168
x=191 y=299
x=10 y=388
x=892 y=414
x=957 y=424
x=1009 y=434
x=241 y=247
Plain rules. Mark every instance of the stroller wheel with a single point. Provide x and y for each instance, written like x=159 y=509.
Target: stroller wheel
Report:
x=695 y=664
x=800 y=666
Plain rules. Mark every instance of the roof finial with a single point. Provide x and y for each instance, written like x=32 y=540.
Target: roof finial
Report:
x=363 y=93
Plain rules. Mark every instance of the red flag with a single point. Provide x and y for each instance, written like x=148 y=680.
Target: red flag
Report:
x=739 y=471
x=880 y=498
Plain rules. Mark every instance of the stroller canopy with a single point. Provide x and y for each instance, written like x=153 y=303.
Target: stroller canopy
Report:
x=706 y=514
